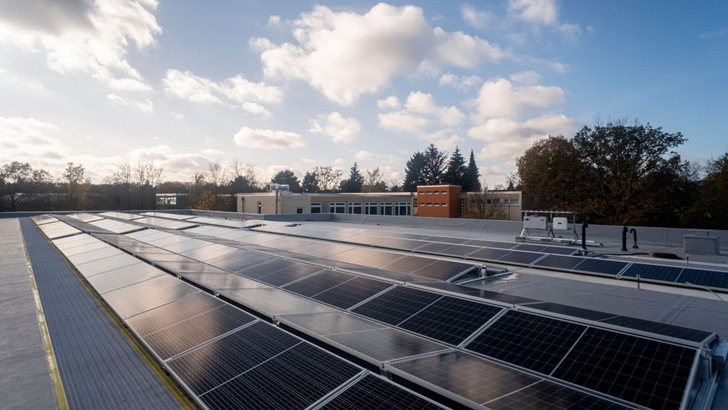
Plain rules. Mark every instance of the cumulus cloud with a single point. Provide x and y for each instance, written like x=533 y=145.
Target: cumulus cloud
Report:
x=500 y=99
x=526 y=78
x=268 y=139
x=145 y=106
x=188 y=86
x=83 y=36
x=336 y=126
x=422 y=103
x=506 y=139
x=475 y=18
x=389 y=103
x=461 y=83
x=420 y=110
x=364 y=156
x=345 y=54
x=400 y=120
x=544 y=13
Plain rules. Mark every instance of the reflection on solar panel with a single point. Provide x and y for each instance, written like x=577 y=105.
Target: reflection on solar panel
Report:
x=647 y=372
x=366 y=257
x=262 y=266
x=488 y=254
x=713 y=279
x=654 y=272
x=115 y=262
x=43 y=219
x=175 y=312
x=385 y=344
x=523 y=258
x=164 y=223
x=58 y=229
x=217 y=362
x=602 y=266
x=206 y=253
x=116 y=226
x=219 y=221
x=546 y=394
x=373 y=392
x=679 y=332
x=408 y=264
x=443 y=270
x=396 y=305
x=84 y=217
x=330 y=323
x=450 y=320
x=140 y=297
x=124 y=276
x=435 y=247
x=168 y=215
x=351 y=292
x=120 y=215
x=531 y=341
x=318 y=282
x=289 y=274
x=272 y=302
x=479 y=293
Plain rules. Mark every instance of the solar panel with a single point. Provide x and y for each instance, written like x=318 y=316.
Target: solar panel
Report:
x=43 y=219
x=529 y=247
x=85 y=246
x=653 y=272
x=213 y=364
x=289 y=274
x=322 y=249
x=480 y=293
x=330 y=323
x=125 y=276
x=206 y=253
x=373 y=392
x=295 y=379
x=116 y=226
x=120 y=215
x=524 y=258
x=237 y=260
x=94 y=255
x=679 y=332
x=488 y=254
x=105 y=265
x=571 y=311
x=531 y=341
x=168 y=215
x=263 y=265
x=502 y=245
x=140 y=297
x=272 y=302
x=399 y=243
x=713 y=279
x=446 y=239
x=478 y=243
x=408 y=264
x=396 y=305
x=472 y=378
x=351 y=292
x=559 y=262
x=546 y=394
x=559 y=250
x=186 y=266
x=385 y=344
x=367 y=257
x=602 y=266
x=172 y=313
x=223 y=281
x=318 y=282
x=195 y=330
x=435 y=247
x=164 y=223
x=450 y=320
x=646 y=372
x=460 y=250
x=443 y=270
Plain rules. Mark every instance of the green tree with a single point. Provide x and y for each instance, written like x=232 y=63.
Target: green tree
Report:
x=456 y=169
x=354 y=182
x=327 y=178
x=287 y=177
x=618 y=159
x=310 y=183
x=434 y=166
x=471 y=181
x=413 y=172
x=710 y=210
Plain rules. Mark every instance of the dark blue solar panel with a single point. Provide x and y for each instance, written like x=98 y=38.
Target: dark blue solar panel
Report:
x=318 y=283
x=488 y=254
x=520 y=257
x=351 y=292
x=709 y=278
x=450 y=320
x=559 y=262
x=653 y=272
x=601 y=266
x=396 y=305
x=549 y=395
x=679 y=332
x=373 y=392
x=646 y=372
x=531 y=341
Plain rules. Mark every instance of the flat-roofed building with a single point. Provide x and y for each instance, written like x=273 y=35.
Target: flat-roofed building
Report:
x=377 y=203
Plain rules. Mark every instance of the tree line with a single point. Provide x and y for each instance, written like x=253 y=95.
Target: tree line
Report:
x=622 y=173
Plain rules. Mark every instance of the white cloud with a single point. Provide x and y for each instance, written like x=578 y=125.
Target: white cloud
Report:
x=274 y=21
x=526 y=78
x=268 y=139
x=400 y=120
x=364 y=156
x=240 y=89
x=257 y=109
x=185 y=85
x=506 y=139
x=145 y=106
x=80 y=36
x=570 y=32
x=421 y=103
x=535 y=11
x=345 y=54
x=451 y=115
x=336 y=126
x=500 y=99
x=461 y=83
x=475 y=18
x=421 y=109
x=558 y=67
x=389 y=103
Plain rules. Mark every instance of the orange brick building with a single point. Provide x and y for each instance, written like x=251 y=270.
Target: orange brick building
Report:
x=439 y=201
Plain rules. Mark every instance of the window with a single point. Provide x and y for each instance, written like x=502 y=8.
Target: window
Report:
x=463 y=201
x=370 y=208
x=386 y=208
x=422 y=192
x=403 y=208
x=422 y=204
x=436 y=204
x=510 y=201
x=429 y=192
x=355 y=208
x=435 y=192
x=337 y=208
x=444 y=192
x=299 y=210
x=315 y=207
x=443 y=204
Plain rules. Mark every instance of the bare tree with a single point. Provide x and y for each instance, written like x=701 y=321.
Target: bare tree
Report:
x=216 y=173
x=482 y=205
x=328 y=178
x=373 y=181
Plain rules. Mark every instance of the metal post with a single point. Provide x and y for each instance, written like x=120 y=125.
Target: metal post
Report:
x=583 y=233
x=634 y=240
x=624 y=239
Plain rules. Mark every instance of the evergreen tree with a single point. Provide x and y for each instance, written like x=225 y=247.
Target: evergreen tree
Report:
x=456 y=169
x=471 y=182
x=310 y=183
x=287 y=177
x=355 y=181
x=413 y=175
x=433 y=170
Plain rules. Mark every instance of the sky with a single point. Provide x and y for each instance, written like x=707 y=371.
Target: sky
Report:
x=300 y=84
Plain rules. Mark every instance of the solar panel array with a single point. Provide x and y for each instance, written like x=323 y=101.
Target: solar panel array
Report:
x=222 y=355
x=440 y=336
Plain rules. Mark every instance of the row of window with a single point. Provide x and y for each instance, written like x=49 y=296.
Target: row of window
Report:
x=432 y=204
x=367 y=208
x=433 y=192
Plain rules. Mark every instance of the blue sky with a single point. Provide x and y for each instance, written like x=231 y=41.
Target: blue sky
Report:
x=300 y=84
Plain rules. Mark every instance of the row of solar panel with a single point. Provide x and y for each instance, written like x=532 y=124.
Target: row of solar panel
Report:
x=225 y=356
x=511 y=338
x=439 y=317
